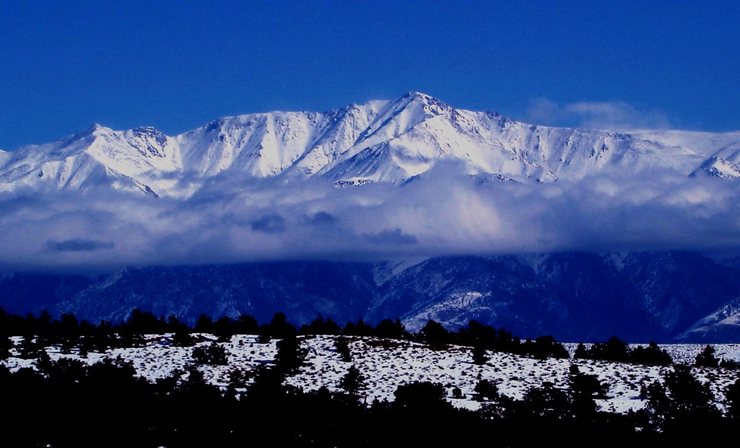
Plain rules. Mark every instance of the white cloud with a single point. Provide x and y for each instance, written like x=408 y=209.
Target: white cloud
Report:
x=616 y=115
x=444 y=213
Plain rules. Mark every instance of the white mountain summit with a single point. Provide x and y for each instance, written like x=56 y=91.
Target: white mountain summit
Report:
x=380 y=141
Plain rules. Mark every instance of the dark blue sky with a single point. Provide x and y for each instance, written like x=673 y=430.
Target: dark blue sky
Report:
x=176 y=65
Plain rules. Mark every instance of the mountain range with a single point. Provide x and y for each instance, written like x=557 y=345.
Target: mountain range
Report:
x=379 y=141
x=641 y=293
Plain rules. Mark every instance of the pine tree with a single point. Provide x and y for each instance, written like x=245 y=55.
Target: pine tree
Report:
x=391 y=329
x=486 y=390
x=290 y=355
x=353 y=381
x=479 y=354
x=581 y=352
x=342 y=347
x=584 y=389
x=434 y=334
x=684 y=402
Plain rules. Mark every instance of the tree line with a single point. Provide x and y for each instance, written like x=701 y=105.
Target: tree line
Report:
x=70 y=333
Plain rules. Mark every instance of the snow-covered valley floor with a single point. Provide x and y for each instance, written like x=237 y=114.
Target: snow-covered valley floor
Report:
x=386 y=364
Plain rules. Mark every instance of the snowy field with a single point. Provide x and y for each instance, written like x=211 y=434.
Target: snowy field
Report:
x=386 y=364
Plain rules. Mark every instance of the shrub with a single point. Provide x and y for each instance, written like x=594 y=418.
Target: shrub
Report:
x=212 y=354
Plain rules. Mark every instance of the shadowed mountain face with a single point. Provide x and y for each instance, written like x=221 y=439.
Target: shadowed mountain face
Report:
x=35 y=292
x=575 y=296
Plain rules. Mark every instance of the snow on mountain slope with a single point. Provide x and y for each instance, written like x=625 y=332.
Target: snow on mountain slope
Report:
x=718 y=167
x=97 y=157
x=380 y=141
x=724 y=321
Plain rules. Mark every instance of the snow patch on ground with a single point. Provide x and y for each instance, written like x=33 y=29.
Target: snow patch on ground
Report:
x=387 y=364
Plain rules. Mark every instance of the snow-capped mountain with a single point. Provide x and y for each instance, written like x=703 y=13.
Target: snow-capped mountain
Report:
x=380 y=141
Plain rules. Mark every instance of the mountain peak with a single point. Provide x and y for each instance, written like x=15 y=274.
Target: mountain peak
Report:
x=422 y=98
x=94 y=130
x=417 y=94
x=94 y=127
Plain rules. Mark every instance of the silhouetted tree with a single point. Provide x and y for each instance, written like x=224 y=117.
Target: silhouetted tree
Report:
x=391 y=329
x=266 y=384
x=360 y=328
x=584 y=389
x=479 y=354
x=652 y=355
x=321 y=326
x=353 y=381
x=246 y=324
x=544 y=347
x=341 y=345
x=486 y=390
x=475 y=333
x=581 y=352
x=204 y=324
x=83 y=347
x=682 y=404
x=182 y=337
x=547 y=402
x=706 y=358
x=143 y=322
x=279 y=327
x=421 y=396
x=457 y=393
x=225 y=327
x=290 y=355
x=434 y=334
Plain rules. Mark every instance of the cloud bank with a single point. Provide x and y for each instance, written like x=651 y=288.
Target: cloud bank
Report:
x=442 y=213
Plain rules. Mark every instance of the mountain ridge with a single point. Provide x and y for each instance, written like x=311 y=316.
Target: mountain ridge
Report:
x=378 y=141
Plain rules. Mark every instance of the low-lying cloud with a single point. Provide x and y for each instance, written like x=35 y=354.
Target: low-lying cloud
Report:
x=442 y=213
x=78 y=245
x=269 y=224
x=391 y=237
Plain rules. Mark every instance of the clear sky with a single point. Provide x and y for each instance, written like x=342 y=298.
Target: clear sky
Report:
x=176 y=65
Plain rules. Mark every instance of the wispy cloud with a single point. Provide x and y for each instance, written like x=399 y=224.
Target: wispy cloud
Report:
x=596 y=115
